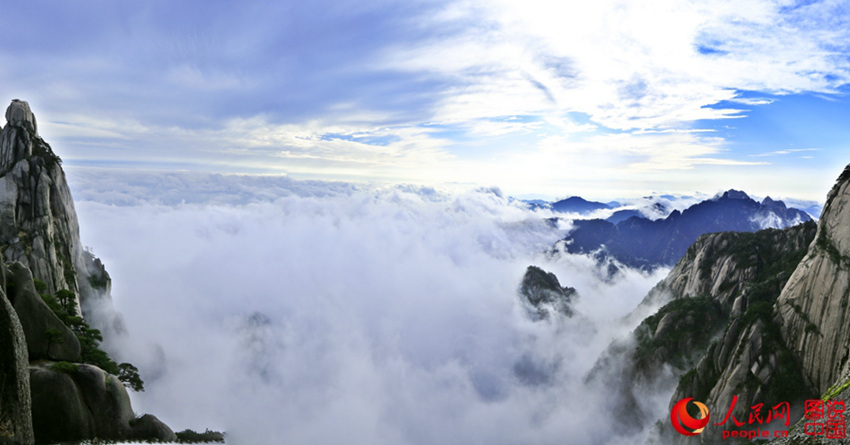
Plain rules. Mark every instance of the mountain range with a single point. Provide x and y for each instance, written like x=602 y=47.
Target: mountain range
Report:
x=644 y=243
x=747 y=319
x=746 y=311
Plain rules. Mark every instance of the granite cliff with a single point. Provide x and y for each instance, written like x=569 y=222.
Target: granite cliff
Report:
x=751 y=317
x=57 y=385
x=713 y=305
x=813 y=308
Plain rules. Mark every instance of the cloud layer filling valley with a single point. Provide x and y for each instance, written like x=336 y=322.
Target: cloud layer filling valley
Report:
x=329 y=313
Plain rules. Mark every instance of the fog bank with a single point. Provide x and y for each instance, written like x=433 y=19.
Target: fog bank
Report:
x=329 y=313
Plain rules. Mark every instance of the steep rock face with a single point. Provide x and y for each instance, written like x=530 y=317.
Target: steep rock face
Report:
x=41 y=335
x=748 y=360
x=721 y=265
x=38 y=225
x=47 y=337
x=749 y=364
x=813 y=307
x=15 y=405
x=722 y=289
x=38 y=222
x=59 y=412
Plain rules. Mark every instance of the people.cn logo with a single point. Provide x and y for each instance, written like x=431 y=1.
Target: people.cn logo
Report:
x=683 y=422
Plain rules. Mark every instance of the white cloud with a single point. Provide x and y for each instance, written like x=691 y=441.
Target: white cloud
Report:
x=339 y=313
x=786 y=152
x=428 y=93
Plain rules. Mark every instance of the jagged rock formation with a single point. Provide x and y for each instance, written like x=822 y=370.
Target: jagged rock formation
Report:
x=38 y=226
x=813 y=308
x=38 y=222
x=543 y=293
x=15 y=405
x=788 y=336
x=640 y=242
x=712 y=328
x=48 y=395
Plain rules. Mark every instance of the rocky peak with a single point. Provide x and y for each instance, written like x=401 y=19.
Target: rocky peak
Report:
x=38 y=222
x=734 y=194
x=19 y=115
x=544 y=293
x=56 y=384
x=773 y=204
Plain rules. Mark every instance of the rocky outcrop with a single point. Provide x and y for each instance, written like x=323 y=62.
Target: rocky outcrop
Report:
x=77 y=401
x=47 y=337
x=47 y=393
x=19 y=115
x=813 y=308
x=748 y=359
x=712 y=332
x=788 y=348
x=542 y=293
x=149 y=428
x=15 y=419
x=38 y=222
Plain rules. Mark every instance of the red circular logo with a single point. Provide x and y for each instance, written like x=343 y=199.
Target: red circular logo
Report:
x=683 y=422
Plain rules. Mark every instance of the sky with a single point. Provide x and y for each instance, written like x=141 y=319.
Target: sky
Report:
x=605 y=99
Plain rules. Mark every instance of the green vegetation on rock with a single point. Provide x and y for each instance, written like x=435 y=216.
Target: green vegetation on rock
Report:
x=66 y=367
x=688 y=328
x=64 y=305
x=189 y=436
x=42 y=149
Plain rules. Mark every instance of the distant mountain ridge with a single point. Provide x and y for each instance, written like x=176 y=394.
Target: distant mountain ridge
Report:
x=577 y=204
x=644 y=243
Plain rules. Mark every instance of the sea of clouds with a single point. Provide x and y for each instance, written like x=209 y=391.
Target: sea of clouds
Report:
x=300 y=312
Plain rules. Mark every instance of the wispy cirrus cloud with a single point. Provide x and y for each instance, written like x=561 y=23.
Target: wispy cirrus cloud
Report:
x=784 y=152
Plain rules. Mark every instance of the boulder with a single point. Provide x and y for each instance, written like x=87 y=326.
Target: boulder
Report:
x=107 y=400
x=149 y=428
x=18 y=114
x=73 y=401
x=59 y=411
x=47 y=337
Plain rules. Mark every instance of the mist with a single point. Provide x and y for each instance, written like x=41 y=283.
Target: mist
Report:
x=304 y=312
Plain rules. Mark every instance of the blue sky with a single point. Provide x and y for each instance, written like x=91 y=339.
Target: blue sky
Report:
x=610 y=99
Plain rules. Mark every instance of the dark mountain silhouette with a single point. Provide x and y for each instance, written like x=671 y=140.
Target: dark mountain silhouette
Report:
x=644 y=243
x=577 y=204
